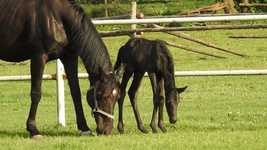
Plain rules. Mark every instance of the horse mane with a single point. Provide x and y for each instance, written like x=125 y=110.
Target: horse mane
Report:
x=166 y=51
x=93 y=50
x=169 y=81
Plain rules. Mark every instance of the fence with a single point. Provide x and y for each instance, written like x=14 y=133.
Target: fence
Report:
x=60 y=71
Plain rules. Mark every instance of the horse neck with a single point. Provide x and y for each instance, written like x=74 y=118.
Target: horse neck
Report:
x=95 y=55
x=84 y=37
x=169 y=84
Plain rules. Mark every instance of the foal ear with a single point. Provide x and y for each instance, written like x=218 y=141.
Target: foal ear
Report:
x=181 y=90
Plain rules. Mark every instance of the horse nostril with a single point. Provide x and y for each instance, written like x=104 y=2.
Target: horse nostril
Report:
x=105 y=133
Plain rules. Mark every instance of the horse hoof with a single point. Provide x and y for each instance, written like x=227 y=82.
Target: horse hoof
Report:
x=121 y=131
x=120 y=128
x=36 y=137
x=164 y=130
x=154 y=130
x=144 y=131
x=90 y=133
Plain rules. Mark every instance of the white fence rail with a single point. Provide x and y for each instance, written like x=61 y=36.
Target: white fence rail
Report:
x=182 y=19
x=251 y=72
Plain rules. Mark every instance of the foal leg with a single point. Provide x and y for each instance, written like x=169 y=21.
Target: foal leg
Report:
x=71 y=65
x=153 y=81
x=125 y=79
x=37 y=68
x=161 y=104
x=132 y=95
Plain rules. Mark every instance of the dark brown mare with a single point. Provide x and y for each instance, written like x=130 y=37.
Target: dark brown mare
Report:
x=43 y=30
x=136 y=57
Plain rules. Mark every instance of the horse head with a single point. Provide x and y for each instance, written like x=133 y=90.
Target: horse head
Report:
x=172 y=101
x=102 y=97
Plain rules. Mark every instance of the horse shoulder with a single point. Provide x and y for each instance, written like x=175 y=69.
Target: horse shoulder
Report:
x=57 y=31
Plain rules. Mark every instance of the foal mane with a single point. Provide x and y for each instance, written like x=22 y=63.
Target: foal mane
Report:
x=169 y=81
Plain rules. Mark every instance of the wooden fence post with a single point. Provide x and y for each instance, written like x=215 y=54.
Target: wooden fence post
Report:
x=133 y=15
x=230 y=7
x=106 y=8
x=246 y=8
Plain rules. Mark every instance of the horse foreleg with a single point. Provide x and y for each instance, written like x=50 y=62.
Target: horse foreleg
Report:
x=161 y=104
x=153 y=81
x=132 y=95
x=125 y=79
x=71 y=65
x=37 y=68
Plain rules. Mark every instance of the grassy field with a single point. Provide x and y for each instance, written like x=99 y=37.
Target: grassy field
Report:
x=149 y=9
x=215 y=113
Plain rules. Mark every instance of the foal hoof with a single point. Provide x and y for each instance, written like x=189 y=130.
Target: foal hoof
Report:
x=154 y=130
x=87 y=133
x=121 y=131
x=144 y=130
x=36 y=137
x=163 y=129
x=120 y=128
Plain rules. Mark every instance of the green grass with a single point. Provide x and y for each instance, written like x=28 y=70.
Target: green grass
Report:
x=149 y=9
x=215 y=112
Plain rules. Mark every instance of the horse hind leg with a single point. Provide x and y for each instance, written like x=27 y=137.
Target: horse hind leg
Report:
x=132 y=95
x=161 y=105
x=37 y=68
x=154 y=85
x=125 y=79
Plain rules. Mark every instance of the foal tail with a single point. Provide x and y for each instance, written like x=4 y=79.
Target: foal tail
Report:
x=119 y=64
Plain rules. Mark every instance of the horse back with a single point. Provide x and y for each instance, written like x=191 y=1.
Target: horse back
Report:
x=145 y=55
x=13 y=17
x=31 y=26
x=25 y=23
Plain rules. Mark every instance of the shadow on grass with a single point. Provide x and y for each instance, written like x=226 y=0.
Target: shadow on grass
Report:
x=13 y=134
x=25 y=134
x=211 y=128
x=135 y=131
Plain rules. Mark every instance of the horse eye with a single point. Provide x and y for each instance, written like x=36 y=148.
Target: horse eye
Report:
x=114 y=92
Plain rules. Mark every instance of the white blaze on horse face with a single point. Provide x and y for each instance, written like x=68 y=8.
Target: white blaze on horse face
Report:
x=114 y=92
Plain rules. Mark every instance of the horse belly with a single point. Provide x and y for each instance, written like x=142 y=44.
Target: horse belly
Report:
x=15 y=55
x=143 y=65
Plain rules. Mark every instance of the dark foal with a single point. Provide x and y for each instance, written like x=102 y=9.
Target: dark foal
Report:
x=44 y=30
x=136 y=57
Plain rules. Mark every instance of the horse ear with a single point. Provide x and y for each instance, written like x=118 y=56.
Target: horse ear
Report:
x=181 y=90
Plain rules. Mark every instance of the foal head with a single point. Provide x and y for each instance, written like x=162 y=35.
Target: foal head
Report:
x=102 y=98
x=172 y=101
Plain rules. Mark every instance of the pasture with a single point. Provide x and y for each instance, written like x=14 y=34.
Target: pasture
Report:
x=215 y=112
